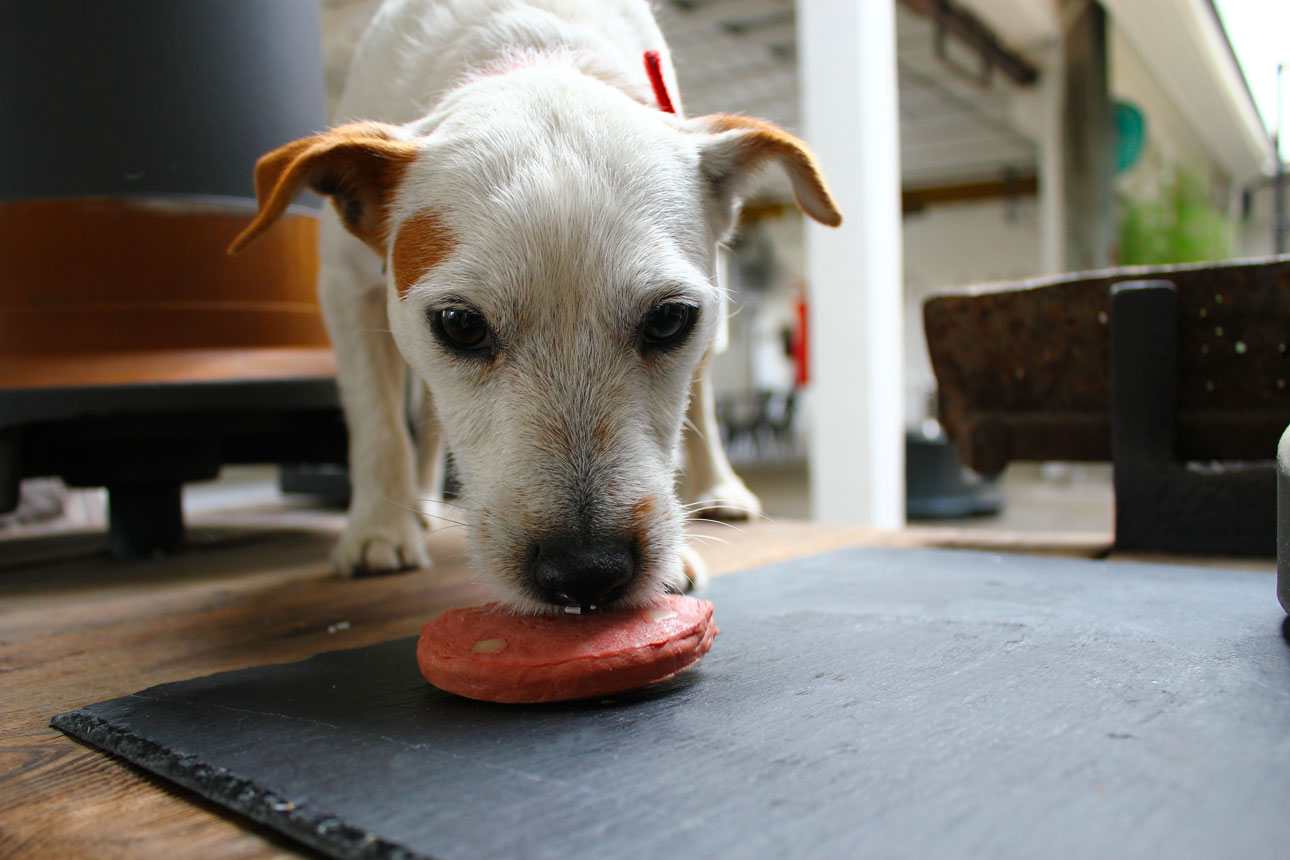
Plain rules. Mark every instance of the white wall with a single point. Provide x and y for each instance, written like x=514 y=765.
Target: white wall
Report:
x=755 y=359
x=1254 y=236
x=1170 y=138
x=944 y=246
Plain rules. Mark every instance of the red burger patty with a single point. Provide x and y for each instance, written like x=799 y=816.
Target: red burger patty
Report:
x=486 y=652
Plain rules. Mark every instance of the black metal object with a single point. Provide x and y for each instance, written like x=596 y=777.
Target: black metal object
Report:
x=145 y=518
x=327 y=484
x=154 y=98
x=143 y=442
x=1283 y=521
x=939 y=486
x=9 y=469
x=1162 y=504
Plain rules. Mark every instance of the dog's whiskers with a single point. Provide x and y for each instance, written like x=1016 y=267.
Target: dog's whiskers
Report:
x=697 y=507
x=453 y=523
x=430 y=500
x=422 y=513
x=703 y=537
x=728 y=525
x=441 y=529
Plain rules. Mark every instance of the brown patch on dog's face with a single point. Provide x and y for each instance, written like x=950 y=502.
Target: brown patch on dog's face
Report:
x=421 y=243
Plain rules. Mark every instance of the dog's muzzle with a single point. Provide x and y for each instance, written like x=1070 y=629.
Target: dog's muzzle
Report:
x=582 y=573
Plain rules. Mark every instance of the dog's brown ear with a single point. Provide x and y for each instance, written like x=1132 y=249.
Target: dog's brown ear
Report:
x=741 y=145
x=358 y=165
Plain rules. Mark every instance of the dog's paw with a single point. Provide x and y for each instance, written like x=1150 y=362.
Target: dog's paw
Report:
x=368 y=548
x=693 y=573
x=726 y=500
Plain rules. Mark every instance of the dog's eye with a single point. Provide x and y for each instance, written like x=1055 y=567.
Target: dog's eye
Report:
x=463 y=330
x=667 y=325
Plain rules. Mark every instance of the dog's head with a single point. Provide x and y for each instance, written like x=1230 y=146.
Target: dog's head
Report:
x=549 y=248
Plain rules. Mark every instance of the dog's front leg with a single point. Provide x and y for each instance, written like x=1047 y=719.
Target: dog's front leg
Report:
x=714 y=490
x=385 y=531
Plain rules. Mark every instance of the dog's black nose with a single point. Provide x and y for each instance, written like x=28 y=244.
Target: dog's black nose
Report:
x=582 y=573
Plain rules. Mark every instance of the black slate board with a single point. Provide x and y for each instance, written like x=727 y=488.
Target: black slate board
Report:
x=865 y=703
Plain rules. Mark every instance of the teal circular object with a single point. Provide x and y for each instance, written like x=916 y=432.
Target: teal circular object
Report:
x=1130 y=135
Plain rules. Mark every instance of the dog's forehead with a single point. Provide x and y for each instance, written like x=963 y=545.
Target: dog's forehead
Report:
x=522 y=139
x=600 y=198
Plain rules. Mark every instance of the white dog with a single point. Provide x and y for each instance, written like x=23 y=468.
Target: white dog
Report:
x=516 y=204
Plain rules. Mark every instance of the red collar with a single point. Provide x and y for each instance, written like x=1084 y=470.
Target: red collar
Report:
x=654 y=68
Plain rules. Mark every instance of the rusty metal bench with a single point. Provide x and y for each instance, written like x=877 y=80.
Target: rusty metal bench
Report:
x=1179 y=375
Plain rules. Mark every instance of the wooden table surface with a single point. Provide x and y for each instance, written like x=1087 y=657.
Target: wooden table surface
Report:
x=77 y=628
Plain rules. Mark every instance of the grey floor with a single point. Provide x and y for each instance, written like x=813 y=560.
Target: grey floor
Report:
x=1050 y=497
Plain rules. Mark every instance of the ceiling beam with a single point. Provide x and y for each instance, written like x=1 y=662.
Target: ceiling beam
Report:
x=950 y=19
x=914 y=200
x=1010 y=187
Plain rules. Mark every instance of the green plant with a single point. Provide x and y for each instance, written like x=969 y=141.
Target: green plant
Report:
x=1180 y=225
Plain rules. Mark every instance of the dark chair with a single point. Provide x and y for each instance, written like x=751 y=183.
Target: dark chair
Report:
x=135 y=353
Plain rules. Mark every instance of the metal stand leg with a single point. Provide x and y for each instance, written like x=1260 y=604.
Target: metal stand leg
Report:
x=1283 y=521
x=144 y=519
x=1160 y=504
x=10 y=469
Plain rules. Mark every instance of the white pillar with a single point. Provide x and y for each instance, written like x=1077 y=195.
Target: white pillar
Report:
x=1048 y=100
x=847 y=64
